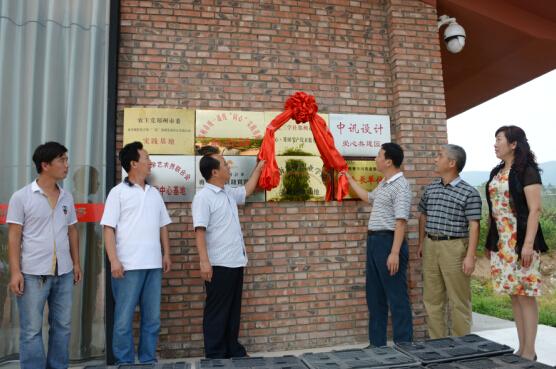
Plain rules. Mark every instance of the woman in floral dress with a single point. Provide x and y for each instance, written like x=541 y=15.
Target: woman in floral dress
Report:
x=515 y=238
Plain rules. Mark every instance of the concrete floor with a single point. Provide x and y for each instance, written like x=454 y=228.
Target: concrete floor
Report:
x=504 y=332
x=494 y=329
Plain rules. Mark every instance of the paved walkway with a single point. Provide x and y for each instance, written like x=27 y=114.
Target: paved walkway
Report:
x=488 y=323
x=504 y=332
x=494 y=329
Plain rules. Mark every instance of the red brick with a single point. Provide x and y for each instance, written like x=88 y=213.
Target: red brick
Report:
x=304 y=286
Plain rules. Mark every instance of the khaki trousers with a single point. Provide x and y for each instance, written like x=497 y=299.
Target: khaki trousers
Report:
x=444 y=280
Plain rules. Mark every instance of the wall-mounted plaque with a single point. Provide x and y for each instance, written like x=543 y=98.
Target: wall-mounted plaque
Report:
x=294 y=139
x=358 y=134
x=162 y=131
x=300 y=179
x=233 y=132
x=365 y=174
x=241 y=168
x=173 y=176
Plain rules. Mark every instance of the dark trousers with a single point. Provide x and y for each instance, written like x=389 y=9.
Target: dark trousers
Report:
x=385 y=291
x=222 y=313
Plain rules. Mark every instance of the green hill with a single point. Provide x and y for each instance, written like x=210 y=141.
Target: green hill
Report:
x=476 y=178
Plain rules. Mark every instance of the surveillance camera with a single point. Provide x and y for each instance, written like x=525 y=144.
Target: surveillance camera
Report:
x=454 y=34
x=454 y=38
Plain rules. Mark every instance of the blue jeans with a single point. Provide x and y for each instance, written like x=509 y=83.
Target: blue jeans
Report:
x=57 y=290
x=384 y=291
x=136 y=287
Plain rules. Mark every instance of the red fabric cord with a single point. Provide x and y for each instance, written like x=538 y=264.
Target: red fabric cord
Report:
x=302 y=108
x=270 y=176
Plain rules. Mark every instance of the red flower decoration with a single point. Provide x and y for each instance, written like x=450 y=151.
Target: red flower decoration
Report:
x=303 y=107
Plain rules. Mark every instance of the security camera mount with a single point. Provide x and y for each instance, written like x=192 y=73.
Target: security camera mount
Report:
x=445 y=20
x=454 y=34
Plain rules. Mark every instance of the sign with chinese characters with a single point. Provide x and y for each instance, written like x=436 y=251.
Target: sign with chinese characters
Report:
x=173 y=176
x=300 y=179
x=162 y=131
x=294 y=139
x=241 y=168
x=233 y=132
x=359 y=135
x=365 y=174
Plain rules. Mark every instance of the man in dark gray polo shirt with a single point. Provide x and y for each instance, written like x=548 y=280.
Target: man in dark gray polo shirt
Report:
x=387 y=250
x=448 y=235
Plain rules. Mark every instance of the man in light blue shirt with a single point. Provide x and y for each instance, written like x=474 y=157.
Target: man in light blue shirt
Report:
x=43 y=252
x=222 y=254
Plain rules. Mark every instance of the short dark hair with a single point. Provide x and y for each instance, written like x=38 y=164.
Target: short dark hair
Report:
x=393 y=152
x=47 y=152
x=129 y=153
x=208 y=150
x=207 y=164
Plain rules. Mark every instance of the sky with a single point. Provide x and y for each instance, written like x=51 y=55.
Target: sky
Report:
x=531 y=106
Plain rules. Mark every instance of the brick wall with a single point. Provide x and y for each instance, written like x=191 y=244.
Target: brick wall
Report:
x=304 y=286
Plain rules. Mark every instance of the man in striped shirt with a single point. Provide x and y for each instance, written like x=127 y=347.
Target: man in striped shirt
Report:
x=222 y=255
x=387 y=251
x=448 y=235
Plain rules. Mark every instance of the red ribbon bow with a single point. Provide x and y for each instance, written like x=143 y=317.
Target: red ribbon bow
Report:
x=303 y=108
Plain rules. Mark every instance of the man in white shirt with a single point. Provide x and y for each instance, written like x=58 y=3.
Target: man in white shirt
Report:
x=135 y=220
x=43 y=252
x=222 y=254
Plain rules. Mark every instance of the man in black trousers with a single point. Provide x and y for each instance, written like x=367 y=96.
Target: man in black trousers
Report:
x=222 y=253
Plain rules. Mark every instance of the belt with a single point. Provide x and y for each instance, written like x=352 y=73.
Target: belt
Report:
x=381 y=232
x=439 y=237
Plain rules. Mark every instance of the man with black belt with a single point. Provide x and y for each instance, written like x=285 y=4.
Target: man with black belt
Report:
x=387 y=251
x=450 y=213
x=222 y=255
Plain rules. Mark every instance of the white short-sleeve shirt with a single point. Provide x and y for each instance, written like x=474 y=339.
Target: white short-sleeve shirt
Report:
x=137 y=215
x=45 y=230
x=216 y=209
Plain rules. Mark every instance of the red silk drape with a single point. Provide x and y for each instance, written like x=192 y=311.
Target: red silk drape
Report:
x=303 y=108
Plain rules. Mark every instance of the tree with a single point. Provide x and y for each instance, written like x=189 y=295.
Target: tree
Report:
x=296 y=181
